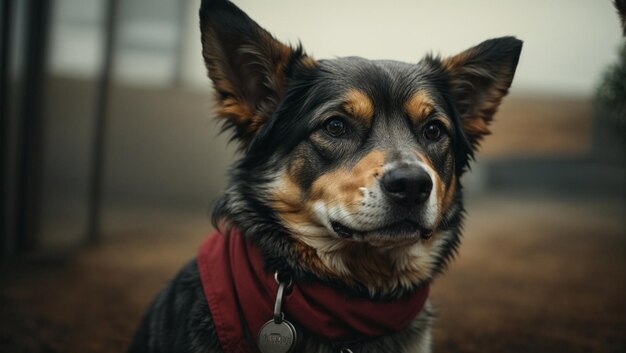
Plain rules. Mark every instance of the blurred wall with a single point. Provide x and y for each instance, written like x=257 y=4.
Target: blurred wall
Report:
x=567 y=42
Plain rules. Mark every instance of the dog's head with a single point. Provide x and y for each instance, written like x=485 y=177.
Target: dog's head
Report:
x=350 y=167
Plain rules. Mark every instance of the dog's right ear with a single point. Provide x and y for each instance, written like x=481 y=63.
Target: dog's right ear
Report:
x=248 y=66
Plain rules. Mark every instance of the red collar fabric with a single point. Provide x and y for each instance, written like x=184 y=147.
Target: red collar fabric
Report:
x=237 y=289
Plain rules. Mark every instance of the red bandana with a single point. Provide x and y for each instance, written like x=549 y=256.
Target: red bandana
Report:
x=237 y=288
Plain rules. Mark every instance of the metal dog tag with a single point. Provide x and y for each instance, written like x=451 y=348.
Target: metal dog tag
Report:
x=277 y=338
x=277 y=335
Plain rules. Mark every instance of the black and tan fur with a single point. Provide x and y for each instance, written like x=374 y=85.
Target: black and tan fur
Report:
x=349 y=173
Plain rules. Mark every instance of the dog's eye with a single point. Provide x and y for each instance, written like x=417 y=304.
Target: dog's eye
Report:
x=336 y=127
x=432 y=131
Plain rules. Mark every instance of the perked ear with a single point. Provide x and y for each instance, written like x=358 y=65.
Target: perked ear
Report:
x=248 y=66
x=479 y=78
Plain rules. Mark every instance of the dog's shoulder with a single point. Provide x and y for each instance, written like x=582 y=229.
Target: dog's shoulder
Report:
x=179 y=319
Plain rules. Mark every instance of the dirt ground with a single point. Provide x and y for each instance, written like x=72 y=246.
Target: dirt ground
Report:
x=533 y=275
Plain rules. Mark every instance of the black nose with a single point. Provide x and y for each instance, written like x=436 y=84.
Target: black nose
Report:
x=407 y=186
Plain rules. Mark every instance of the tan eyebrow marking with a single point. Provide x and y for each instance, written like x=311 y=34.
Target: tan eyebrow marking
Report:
x=419 y=106
x=358 y=105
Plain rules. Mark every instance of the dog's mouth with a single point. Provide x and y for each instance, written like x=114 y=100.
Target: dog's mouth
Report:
x=399 y=230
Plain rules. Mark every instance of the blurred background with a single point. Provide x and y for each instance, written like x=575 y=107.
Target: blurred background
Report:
x=111 y=163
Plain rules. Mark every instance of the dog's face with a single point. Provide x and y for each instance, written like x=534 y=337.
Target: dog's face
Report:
x=351 y=167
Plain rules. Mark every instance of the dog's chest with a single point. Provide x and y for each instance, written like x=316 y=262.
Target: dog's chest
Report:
x=253 y=311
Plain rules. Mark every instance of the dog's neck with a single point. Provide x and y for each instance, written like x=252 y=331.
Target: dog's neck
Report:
x=234 y=278
x=373 y=274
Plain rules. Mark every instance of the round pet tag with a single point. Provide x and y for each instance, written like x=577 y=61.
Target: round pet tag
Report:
x=277 y=338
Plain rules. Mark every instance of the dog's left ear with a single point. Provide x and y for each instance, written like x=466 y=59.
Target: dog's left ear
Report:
x=479 y=78
x=248 y=66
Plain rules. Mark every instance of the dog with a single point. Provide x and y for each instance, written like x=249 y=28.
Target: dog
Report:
x=345 y=202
